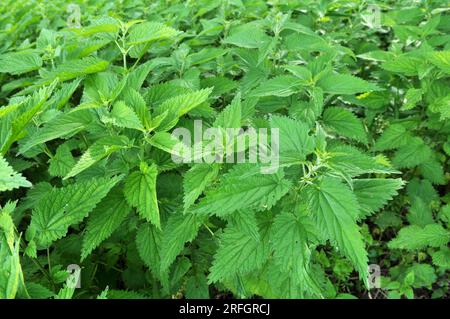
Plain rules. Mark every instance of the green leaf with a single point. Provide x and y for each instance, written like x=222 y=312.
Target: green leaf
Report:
x=66 y=206
x=414 y=153
x=238 y=253
x=243 y=189
x=283 y=85
x=149 y=245
x=247 y=36
x=180 y=229
x=33 y=105
x=104 y=220
x=335 y=210
x=353 y=162
x=372 y=194
x=195 y=180
x=178 y=106
x=63 y=161
x=393 y=137
x=412 y=97
x=140 y=192
x=97 y=151
x=19 y=62
x=9 y=179
x=345 y=123
x=295 y=142
x=63 y=125
x=415 y=237
x=441 y=59
x=345 y=84
x=149 y=32
x=72 y=69
x=124 y=116
x=291 y=239
x=402 y=64
x=420 y=213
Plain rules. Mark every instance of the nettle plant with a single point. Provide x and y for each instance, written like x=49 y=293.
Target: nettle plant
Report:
x=89 y=123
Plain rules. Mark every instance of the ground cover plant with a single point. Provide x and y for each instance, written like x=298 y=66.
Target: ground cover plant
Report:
x=352 y=96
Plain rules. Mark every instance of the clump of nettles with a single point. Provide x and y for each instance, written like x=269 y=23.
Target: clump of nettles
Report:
x=341 y=191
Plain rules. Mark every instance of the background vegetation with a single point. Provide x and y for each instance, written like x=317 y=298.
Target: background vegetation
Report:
x=359 y=90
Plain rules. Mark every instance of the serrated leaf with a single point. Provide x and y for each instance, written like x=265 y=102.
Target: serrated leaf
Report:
x=180 y=229
x=195 y=180
x=9 y=179
x=345 y=84
x=335 y=210
x=140 y=192
x=123 y=116
x=65 y=206
x=295 y=142
x=241 y=190
x=63 y=161
x=97 y=151
x=415 y=237
x=283 y=85
x=345 y=123
x=238 y=253
x=414 y=153
x=63 y=125
x=178 y=106
x=393 y=137
x=150 y=31
x=372 y=194
x=104 y=220
x=19 y=62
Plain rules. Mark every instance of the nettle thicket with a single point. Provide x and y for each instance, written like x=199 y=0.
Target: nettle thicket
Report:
x=87 y=175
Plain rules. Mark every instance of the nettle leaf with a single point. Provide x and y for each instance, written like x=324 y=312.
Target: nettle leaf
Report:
x=149 y=245
x=345 y=123
x=62 y=126
x=283 y=85
x=353 y=162
x=9 y=179
x=238 y=253
x=373 y=194
x=62 y=207
x=415 y=237
x=104 y=220
x=393 y=137
x=179 y=230
x=243 y=188
x=19 y=62
x=140 y=192
x=415 y=152
x=412 y=97
x=247 y=36
x=291 y=239
x=295 y=142
x=402 y=64
x=440 y=59
x=149 y=32
x=63 y=161
x=177 y=106
x=97 y=151
x=32 y=106
x=195 y=181
x=124 y=116
x=345 y=84
x=335 y=209
x=72 y=69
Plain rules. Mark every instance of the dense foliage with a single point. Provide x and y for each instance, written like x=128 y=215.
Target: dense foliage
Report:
x=360 y=94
